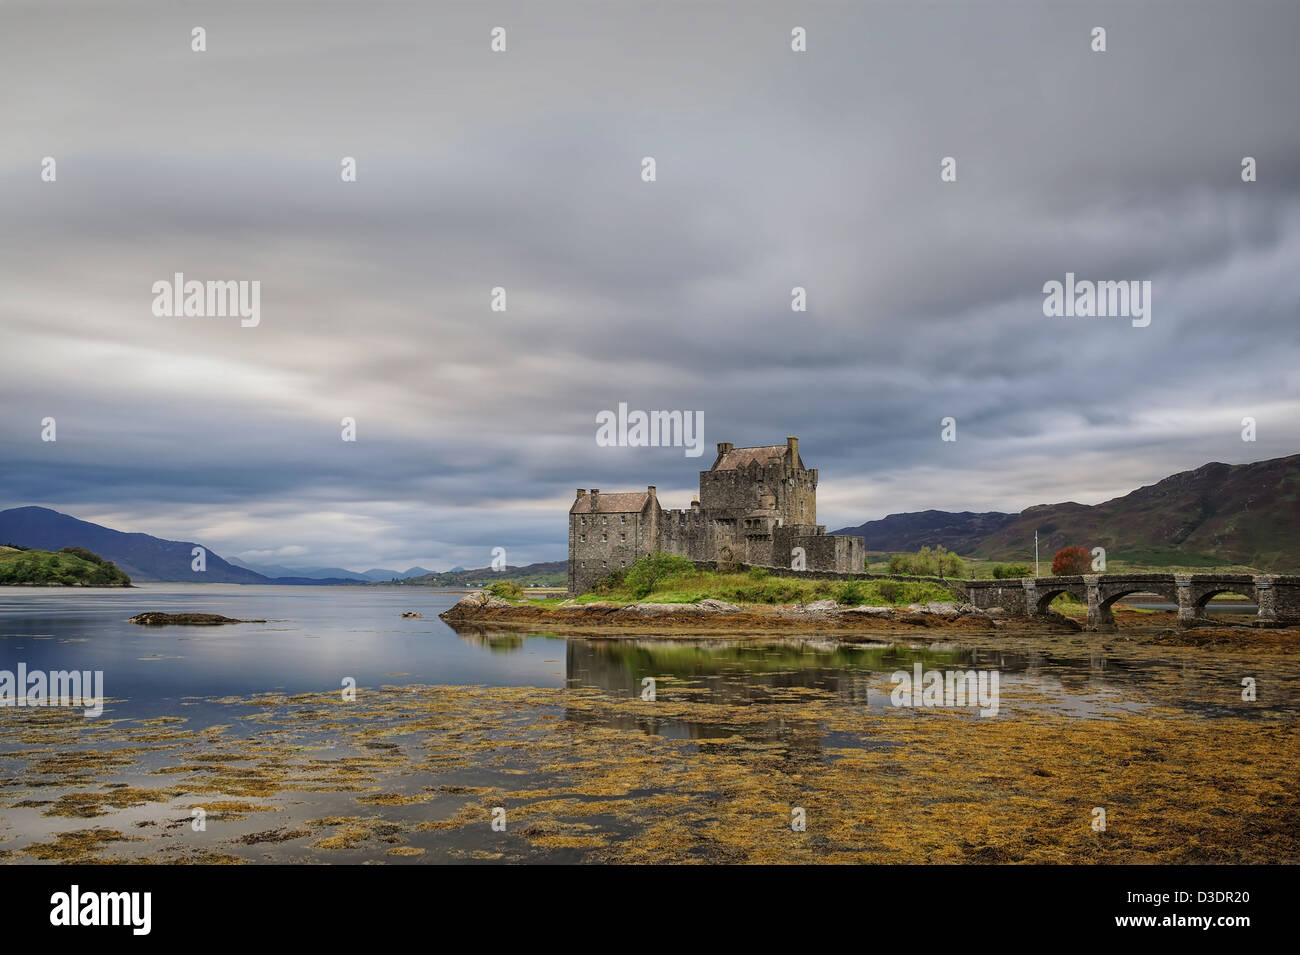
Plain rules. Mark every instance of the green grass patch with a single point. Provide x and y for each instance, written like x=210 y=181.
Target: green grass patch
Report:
x=653 y=579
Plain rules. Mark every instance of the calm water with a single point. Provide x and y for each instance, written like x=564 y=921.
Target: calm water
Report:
x=315 y=637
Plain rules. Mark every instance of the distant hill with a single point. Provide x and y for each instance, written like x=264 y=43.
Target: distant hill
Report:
x=328 y=573
x=961 y=532
x=1246 y=514
x=70 y=567
x=380 y=574
x=144 y=558
x=553 y=573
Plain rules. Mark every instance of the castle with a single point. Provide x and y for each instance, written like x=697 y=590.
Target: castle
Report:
x=757 y=506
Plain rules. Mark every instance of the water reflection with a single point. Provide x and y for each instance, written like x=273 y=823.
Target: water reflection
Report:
x=1064 y=674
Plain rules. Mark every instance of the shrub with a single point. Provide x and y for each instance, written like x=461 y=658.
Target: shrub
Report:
x=758 y=573
x=1071 y=560
x=507 y=589
x=83 y=554
x=610 y=584
x=889 y=590
x=651 y=570
x=1010 y=571
x=851 y=593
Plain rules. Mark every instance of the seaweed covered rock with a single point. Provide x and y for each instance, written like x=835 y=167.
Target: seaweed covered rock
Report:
x=156 y=618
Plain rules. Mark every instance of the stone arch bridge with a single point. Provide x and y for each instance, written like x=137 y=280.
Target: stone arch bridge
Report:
x=1278 y=597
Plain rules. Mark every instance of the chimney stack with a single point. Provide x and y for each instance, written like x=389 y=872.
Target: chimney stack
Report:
x=793 y=444
x=582 y=492
x=724 y=447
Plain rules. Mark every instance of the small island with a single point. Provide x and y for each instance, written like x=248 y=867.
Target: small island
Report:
x=70 y=567
x=157 y=618
x=667 y=590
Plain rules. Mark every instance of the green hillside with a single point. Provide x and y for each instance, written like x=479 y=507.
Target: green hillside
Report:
x=1216 y=515
x=70 y=567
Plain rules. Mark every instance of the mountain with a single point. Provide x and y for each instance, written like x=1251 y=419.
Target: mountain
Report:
x=380 y=574
x=553 y=573
x=1245 y=514
x=961 y=532
x=140 y=556
x=268 y=570
x=330 y=573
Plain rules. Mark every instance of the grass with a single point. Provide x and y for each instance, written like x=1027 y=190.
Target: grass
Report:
x=1149 y=560
x=757 y=587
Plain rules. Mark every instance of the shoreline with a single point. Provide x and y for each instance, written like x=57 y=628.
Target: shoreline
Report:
x=481 y=611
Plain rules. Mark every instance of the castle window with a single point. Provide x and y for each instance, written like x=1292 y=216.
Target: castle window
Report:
x=604 y=537
x=603 y=565
x=582 y=520
x=582 y=538
x=623 y=519
x=622 y=537
x=604 y=520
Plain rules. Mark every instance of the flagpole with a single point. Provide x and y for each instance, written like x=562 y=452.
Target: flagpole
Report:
x=1035 y=553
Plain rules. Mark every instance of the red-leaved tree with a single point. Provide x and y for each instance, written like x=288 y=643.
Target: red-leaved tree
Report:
x=1071 y=560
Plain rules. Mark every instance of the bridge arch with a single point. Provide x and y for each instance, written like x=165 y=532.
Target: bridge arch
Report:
x=1110 y=594
x=1204 y=598
x=1046 y=594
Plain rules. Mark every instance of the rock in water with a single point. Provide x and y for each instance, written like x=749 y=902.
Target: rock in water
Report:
x=156 y=618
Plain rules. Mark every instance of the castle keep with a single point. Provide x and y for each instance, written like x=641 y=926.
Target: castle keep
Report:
x=756 y=506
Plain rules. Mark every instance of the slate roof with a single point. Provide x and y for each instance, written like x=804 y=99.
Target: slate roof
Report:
x=738 y=458
x=630 y=502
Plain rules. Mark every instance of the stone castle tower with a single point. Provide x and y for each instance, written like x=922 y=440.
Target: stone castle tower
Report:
x=756 y=506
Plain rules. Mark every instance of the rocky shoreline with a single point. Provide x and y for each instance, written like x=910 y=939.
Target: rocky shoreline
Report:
x=481 y=611
x=481 y=607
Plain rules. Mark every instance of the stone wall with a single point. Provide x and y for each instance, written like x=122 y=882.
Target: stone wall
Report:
x=600 y=543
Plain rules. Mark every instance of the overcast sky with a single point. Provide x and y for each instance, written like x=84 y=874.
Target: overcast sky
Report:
x=522 y=169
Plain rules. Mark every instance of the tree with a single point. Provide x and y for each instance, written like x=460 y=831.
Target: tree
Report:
x=1010 y=571
x=928 y=562
x=652 y=569
x=1071 y=560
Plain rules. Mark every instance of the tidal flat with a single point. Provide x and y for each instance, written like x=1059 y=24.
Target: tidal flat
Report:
x=737 y=737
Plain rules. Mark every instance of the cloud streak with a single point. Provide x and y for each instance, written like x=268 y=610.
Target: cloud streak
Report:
x=521 y=170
